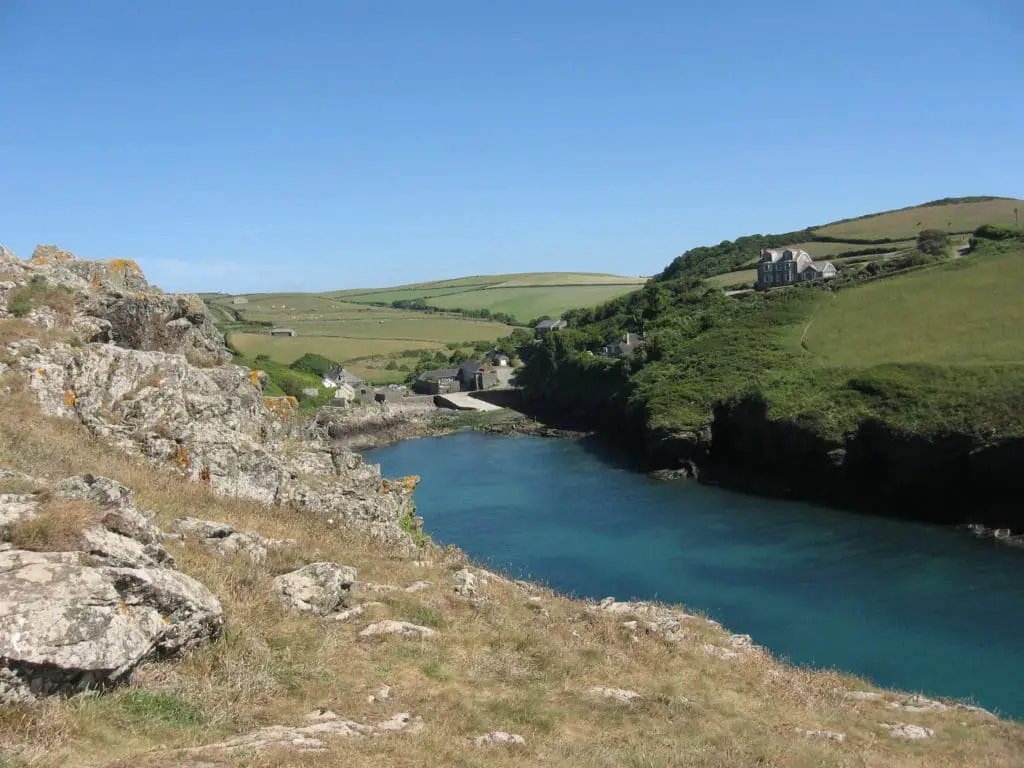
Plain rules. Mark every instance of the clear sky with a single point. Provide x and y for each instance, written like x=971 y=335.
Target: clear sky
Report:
x=322 y=144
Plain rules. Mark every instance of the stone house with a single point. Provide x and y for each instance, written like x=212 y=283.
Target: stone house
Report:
x=474 y=375
x=282 y=332
x=544 y=327
x=627 y=345
x=789 y=266
x=438 y=382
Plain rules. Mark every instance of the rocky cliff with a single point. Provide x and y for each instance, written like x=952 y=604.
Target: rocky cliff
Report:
x=149 y=373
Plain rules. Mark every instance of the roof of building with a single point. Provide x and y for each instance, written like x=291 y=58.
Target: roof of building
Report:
x=440 y=373
x=550 y=324
x=343 y=375
x=777 y=254
x=281 y=330
x=471 y=366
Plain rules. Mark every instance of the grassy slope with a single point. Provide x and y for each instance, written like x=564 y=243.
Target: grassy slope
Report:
x=903 y=224
x=971 y=311
x=498 y=665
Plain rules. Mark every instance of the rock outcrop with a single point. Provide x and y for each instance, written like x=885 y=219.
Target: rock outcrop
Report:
x=226 y=540
x=307 y=738
x=84 y=618
x=145 y=371
x=319 y=588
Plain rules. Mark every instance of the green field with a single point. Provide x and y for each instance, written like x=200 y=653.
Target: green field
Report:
x=740 y=277
x=285 y=349
x=351 y=326
x=965 y=312
x=523 y=296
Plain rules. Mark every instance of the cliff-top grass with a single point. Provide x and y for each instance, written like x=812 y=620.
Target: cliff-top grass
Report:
x=499 y=663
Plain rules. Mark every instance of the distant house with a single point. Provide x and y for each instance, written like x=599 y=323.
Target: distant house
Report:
x=788 y=266
x=497 y=358
x=544 y=327
x=627 y=345
x=438 y=382
x=239 y=300
x=341 y=376
x=282 y=332
x=474 y=375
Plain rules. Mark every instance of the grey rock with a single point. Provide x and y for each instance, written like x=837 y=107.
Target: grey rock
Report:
x=319 y=588
x=498 y=737
x=309 y=738
x=226 y=540
x=617 y=695
x=465 y=583
x=418 y=586
x=401 y=628
x=827 y=735
x=908 y=731
x=67 y=626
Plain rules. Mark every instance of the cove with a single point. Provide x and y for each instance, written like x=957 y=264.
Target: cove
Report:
x=911 y=606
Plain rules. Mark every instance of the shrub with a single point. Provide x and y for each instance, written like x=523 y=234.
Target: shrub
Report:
x=998 y=232
x=37 y=294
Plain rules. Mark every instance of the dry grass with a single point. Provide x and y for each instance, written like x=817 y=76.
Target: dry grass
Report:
x=497 y=665
x=57 y=528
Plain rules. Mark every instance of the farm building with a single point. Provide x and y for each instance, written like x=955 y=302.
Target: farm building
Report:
x=544 y=327
x=239 y=300
x=438 y=382
x=282 y=332
x=474 y=375
x=497 y=358
x=788 y=266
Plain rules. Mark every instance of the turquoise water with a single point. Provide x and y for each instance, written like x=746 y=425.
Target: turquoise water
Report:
x=910 y=606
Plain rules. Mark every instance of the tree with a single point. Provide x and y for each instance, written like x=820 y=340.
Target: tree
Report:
x=933 y=242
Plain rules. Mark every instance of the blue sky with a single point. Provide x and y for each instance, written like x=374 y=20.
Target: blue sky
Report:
x=322 y=144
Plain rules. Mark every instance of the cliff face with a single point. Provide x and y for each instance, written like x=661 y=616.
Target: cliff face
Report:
x=147 y=372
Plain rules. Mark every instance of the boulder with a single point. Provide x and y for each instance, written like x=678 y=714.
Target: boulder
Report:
x=67 y=625
x=465 y=583
x=319 y=588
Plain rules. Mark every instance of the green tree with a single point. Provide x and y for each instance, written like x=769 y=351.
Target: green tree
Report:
x=933 y=242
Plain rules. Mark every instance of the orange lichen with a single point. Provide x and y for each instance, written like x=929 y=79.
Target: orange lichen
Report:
x=410 y=482
x=123 y=265
x=204 y=475
x=181 y=457
x=97 y=282
x=255 y=376
x=40 y=372
x=281 y=407
x=70 y=398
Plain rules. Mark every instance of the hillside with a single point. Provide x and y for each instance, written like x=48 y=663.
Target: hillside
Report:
x=193 y=576
x=898 y=387
x=875 y=237
x=377 y=333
